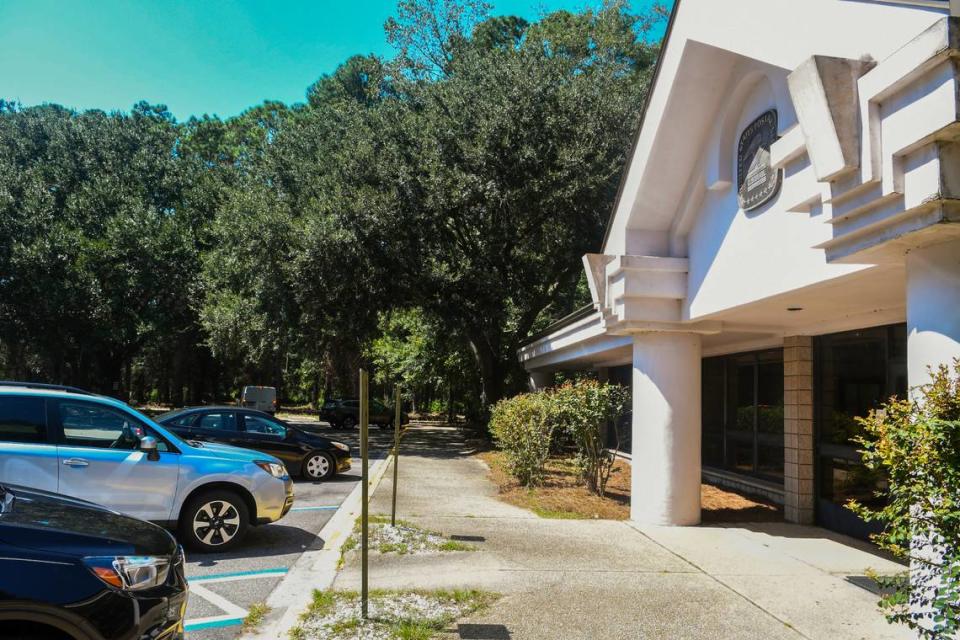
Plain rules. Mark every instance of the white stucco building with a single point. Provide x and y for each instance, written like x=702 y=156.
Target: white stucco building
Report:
x=784 y=250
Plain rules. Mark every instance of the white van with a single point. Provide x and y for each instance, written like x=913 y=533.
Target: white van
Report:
x=259 y=398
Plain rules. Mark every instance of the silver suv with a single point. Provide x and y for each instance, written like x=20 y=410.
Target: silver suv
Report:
x=99 y=449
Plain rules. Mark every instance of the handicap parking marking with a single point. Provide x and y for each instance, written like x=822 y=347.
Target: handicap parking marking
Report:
x=232 y=613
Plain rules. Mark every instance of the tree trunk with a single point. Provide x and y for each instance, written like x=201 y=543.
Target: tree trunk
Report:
x=492 y=373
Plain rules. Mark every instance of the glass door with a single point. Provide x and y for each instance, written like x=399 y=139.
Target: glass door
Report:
x=856 y=372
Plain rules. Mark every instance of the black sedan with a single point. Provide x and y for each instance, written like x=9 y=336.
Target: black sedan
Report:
x=304 y=454
x=73 y=569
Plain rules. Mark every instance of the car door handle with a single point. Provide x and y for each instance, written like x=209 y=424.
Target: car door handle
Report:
x=76 y=462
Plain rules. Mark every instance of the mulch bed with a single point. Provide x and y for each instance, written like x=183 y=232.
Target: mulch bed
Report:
x=563 y=495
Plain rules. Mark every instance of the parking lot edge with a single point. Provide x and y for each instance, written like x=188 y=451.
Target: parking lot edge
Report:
x=316 y=569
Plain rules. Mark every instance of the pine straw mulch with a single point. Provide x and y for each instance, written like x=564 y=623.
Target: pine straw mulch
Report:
x=563 y=495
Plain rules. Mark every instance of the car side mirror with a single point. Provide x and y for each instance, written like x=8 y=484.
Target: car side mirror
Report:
x=148 y=444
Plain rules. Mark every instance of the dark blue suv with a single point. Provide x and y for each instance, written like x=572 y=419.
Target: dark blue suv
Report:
x=72 y=570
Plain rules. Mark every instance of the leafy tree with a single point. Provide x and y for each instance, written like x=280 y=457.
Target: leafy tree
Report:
x=500 y=157
x=916 y=443
x=421 y=355
x=440 y=199
x=96 y=249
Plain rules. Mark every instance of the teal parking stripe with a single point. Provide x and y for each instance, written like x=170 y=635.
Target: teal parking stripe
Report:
x=326 y=508
x=212 y=624
x=279 y=571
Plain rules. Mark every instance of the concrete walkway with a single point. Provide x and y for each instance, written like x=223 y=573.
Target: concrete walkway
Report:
x=592 y=579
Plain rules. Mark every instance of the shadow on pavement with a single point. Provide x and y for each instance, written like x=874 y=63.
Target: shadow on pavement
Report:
x=483 y=632
x=263 y=542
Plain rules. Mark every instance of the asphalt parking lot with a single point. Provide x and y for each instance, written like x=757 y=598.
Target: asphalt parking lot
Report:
x=225 y=586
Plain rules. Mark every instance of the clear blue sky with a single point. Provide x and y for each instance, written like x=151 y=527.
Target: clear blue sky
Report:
x=201 y=56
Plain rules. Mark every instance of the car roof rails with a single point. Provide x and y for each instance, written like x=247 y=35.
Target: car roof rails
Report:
x=46 y=387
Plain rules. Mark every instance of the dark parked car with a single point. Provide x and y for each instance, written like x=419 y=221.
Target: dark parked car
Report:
x=73 y=570
x=304 y=454
x=344 y=413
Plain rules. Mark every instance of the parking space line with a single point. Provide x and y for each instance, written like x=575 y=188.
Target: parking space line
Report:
x=239 y=575
x=232 y=613
x=213 y=622
x=332 y=507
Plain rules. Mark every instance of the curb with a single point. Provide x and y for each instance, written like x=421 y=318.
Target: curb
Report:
x=316 y=569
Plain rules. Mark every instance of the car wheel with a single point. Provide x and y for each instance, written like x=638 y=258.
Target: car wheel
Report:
x=349 y=422
x=319 y=466
x=214 y=521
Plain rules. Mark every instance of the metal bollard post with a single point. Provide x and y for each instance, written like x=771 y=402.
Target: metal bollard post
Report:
x=396 y=456
x=364 y=479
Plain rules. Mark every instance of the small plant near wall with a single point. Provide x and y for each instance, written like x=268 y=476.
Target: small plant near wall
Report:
x=522 y=429
x=583 y=409
x=916 y=443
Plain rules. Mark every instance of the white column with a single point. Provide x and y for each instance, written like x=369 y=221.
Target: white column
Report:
x=933 y=309
x=933 y=338
x=666 y=429
x=539 y=380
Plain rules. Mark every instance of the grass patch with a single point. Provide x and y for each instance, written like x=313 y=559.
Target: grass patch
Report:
x=393 y=615
x=405 y=538
x=558 y=514
x=255 y=615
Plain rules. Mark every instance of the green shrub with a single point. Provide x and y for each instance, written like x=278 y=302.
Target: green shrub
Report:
x=583 y=409
x=522 y=428
x=916 y=443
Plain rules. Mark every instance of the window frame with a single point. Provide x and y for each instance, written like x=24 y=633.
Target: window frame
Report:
x=729 y=436
x=46 y=431
x=247 y=415
x=200 y=415
x=55 y=422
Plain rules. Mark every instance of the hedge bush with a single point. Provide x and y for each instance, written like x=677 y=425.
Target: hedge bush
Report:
x=583 y=409
x=916 y=444
x=527 y=428
x=522 y=429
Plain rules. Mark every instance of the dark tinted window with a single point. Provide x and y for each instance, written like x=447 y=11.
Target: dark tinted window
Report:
x=259 y=424
x=742 y=410
x=220 y=421
x=22 y=419
x=182 y=421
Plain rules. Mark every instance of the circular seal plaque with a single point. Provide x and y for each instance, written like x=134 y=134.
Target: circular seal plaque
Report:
x=757 y=181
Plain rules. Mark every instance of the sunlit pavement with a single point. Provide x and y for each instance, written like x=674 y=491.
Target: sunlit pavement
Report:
x=224 y=586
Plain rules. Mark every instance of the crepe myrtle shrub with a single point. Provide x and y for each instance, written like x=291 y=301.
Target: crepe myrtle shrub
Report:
x=915 y=443
x=522 y=428
x=583 y=409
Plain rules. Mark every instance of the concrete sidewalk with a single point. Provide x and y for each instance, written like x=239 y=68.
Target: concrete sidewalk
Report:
x=594 y=579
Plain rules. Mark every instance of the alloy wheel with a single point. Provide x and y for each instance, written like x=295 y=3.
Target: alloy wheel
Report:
x=216 y=523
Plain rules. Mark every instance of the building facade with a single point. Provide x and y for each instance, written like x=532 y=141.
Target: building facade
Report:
x=784 y=251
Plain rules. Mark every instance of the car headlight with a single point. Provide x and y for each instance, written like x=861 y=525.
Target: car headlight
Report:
x=274 y=469
x=130 y=573
x=341 y=446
